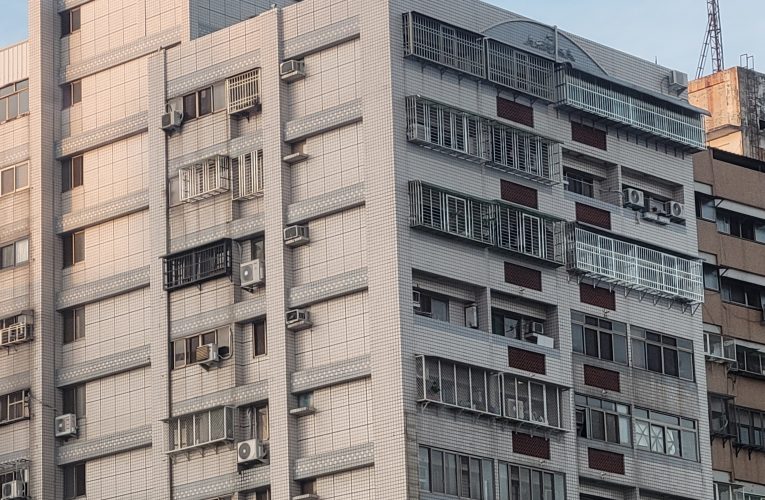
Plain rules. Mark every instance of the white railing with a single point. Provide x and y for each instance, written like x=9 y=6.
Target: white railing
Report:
x=15 y=334
x=601 y=100
x=634 y=266
x=719 y=348
x=478 y=139
x=203 y=428
x=248 y=175
x=243 y=91
x=520 y=70
x=204 y=179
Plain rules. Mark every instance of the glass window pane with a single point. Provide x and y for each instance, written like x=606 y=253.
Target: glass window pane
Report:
x=475 y=478
x=205 y=101
x=597 y=425
x=620 y=349
x=424 y=470
x=606 y=346
x=612 y=428
x=487 y=480
x=638 y=353
x=673 y=442
x=690 y=450
x=23 y=102
x=22 y=251
x=437 y=471
x=653 y=358
x=22 y=175
x=450 y=474
x=439 y=309
x=642 y=439
x=13 y=106
x=685 y=365
x=591 y=342
x=577 y=332
x=7 y=257
x=190 y=106
x=671 y=362
x=7 y=181
x=504 y=482
x=657 y=438
x=79 y=246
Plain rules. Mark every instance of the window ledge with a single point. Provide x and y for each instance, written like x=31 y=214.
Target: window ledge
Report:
x=303 y=411
x=14 y=421
x=200 y=446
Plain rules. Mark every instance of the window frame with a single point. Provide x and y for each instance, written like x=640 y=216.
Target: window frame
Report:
x=196 y=100
x=744 y=359
x=721 y=407
x=511 y=483
x=479 y=474
x=74 y=400
x=74 y=325
x=75 y=481
x=653 y=420
x=426 y=304
x=587 y=405
x=72 y=94
x=74 y=248
x=68 y=24
x=18 y=95
x=180 y=430
x=741 y=226
x=13 y=249
x=745 y=288
x=642 y=340
x=521 y=319
x=16 y=188
x=579 y=327
x=16 y=402
x=755 y=433
x=258 y=422
x=72 y=173
x=704 y=203
x=582 y=180
x=259 y=338
x=190 y=347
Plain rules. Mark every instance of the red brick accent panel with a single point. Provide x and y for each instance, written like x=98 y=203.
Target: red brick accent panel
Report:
x=515 y=112
x=601 y=378
x=596 y=296
x=518 y=194
x=523 y=276
x=522 y=359
x=589 y=135
x=531 y=446
x=606 y=461
x=594 y=216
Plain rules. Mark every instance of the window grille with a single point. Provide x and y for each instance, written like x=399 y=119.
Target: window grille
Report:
x=520 y=70
x=243 y=91
x=198 y=265
x=248 y=175
x=203 y=428
x=204 y=179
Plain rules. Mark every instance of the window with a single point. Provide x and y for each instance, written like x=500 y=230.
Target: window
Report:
x=599 y=338
x=579 y=183
x=259 y=338
x=263 y=495
x=741 y=293
x=72 y=93
x=74 y=248
x=750 y=359
x=199 y=429
x=185 y=350
x=750 y=427
x=717 y=346
x=14 y=406
x=14 y=100
x=741 y=226
x=243 y=91
x=204 y=179
x=523 y=483
x=724 y=491
x=74 y=400
x=204 y=101
x=74 y=324
x=665 y=434
x=198 y=265
x=308 y=487
x=71 y=173
x=531 y=401
x=433 y=306
x=515 y=326
x=602 y=420
x=705 y=207
x=14 y=254
x=74 y=481
x=14 y=178
x=305 y=400
x=247 y=173
x=70 y=21
x=661 y=353
x=720 y=411
x=256 y=418
x=457 y=475
x=711 y=277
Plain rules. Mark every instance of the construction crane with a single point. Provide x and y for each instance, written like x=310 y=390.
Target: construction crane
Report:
x=712 y=40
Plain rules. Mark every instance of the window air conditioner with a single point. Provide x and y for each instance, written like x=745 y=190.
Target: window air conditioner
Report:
x=471 y=316
x=634 y=199
x=416 y=300
x=675 y=210
x=295 y=236
x=171 y=120
x=298 y=319
x=252 y=450
x=14 y=490
x=66 y=425
x=678 y=81
x=252 y=274
x=292 y=70
x=207 y=354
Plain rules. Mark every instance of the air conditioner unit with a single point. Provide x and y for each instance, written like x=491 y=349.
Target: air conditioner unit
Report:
x=172 y=120
x=416 y=299
x=678 y=81
x=675 y=210
x=13 y=490
x=252 y=274
x=662 y=220
x=295 y=236
x=634 y=199
x=535 y=332
x=298 y=319
x=66 y=425
x=292 y=70
x=471 y=316
x=252 y=450
x=416 y=133
x=207 y=354
x=656 y=206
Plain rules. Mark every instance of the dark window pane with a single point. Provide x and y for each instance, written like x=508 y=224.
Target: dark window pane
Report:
x=76 y=92
x=8 y=259
x=66 y=175
x=7 y=181
x=22 y=175
x=653 y=355
x=685 y=362
x=437 y=471
x=612 y=428
x=77 y=171
x=591 y=342
x=65 y=24
x=671 y=362
x=67 y=96
x=79 y=246
x=190 y=106
x=68 y=250
x=606 y=347
x=597 y=425
x=13 y=106
x=3 y=109
x=75 y=19
x=260 y=338
x=205 y=101
x=578 y=337
x=620 y=349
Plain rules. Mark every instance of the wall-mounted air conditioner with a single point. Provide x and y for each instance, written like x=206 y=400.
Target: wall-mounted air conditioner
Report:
x=252 y=274
x=207 y=355
x=13 y=490
x=298 y=319
x=675 y=210
x=292 y=70
x=634 y=199
x=252 y=450
x=66 y=425
x=535 y=332
x=171 y=120
x=295 y=236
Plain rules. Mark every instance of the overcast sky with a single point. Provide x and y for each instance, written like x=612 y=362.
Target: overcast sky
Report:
x=670 y=31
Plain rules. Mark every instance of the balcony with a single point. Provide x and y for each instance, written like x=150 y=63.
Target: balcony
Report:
x=197 y=266
x=632 y=108
x=632 y=266
x=521 y=71
x=490 y=393
x=506 y=227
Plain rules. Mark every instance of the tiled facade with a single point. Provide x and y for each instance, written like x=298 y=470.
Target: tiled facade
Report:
x=442 y=154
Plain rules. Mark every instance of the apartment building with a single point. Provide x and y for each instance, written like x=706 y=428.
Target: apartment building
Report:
x=336 y=249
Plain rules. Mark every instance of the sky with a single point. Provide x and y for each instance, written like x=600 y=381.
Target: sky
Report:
x=668 y=31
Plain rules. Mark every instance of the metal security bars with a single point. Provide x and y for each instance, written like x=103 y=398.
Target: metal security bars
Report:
x=198 y=265
x=491 y=223
x=247 y=181
x=201 y=429
x=443 y=44
x=15 y=332
x=633 y=266
x=243 y=91
x=520 y=70
x=204 y=179
x=487 y=392
x=609 y=101
x=482 y=140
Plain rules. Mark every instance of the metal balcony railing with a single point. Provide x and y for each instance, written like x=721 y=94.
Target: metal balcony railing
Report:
x=198 y=265
x=519 y=70
x=633 y=266
x=607 y=100
x=482 y=140
x=15 y=334
x=204 y=179
x=207 y=427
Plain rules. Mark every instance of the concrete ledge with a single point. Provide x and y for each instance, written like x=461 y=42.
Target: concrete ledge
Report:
x=323 y=121
x=232 y=313
x=322 y=38
x=91 y=139
x=14 y=231
x=120 y=442
x=113 y=364
x=103 y=288
x=334 y=462
x=236 y=230
x=328 y=288
x=332 y=374
x=12 y=457
x=15 y=306
x=118 y=207
x=13 y=383
x=326 y=204
x=14 y=155
x=236 y=396
x=227 y=484
x=211 y=74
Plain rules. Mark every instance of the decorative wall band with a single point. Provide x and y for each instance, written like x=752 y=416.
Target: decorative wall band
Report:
x=14 y=155
x=327 y=204
x=236 y=396
x=236 y=230
x=104 y=288
x=118 y=207
x=231 y=148
x=113 y=364
x=14 y=306
x=227 y=484
x=16 y=382
x=70 y=4
x=14 y=231
x=332 y=374
x=328 y=288
x=335 y=462
x=232 y=313
x=120 y=55
x=91 y=139
x=120 y=442
x=12 y=457
x=322 y=38
x=211 y=74
x=323 y=121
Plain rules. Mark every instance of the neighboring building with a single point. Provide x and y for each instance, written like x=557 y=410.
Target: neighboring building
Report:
x=345 y=249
